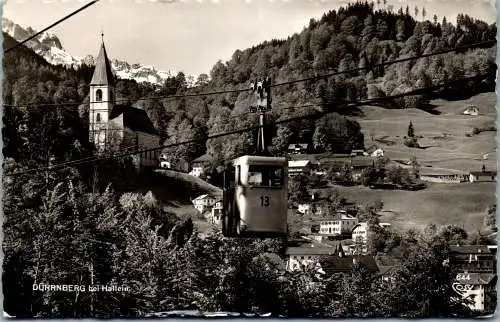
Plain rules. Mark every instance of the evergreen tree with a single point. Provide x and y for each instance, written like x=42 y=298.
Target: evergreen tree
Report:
x=411 y=130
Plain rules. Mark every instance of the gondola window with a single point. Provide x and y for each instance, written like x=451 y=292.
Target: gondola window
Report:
x=265 y=176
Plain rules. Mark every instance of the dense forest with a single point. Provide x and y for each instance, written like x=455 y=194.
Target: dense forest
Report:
x=70 y=227
x=353 y=37
x=356 y=36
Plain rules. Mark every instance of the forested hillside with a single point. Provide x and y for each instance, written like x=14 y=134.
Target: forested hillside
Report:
x=352 y=37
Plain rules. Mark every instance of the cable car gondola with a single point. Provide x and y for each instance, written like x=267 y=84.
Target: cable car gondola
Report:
x=255 y=187
x=255 y=197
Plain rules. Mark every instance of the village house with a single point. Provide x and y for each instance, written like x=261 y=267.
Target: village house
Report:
x=360 y=236
x=199 y=164
x=299 y=257
x=476 y=275
x=203 y=203
x=335 y=161
x=114 y=127
x=482 y=176
x=356 y=164
x=216 y=213
x=341 y=263
x=298 y=166
x=377 y=153
x=444 y=178
x=471 y=110
x=305 y=208
x=311 y=208
x=298 y=148
x=335 y=265
x=355 y=153
x=164 y=162
x=340 y=224
x=473 y=258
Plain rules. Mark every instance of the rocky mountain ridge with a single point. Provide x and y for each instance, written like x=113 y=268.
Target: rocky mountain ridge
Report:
x=49 y=46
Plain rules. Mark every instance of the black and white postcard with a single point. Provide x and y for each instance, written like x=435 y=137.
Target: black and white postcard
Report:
x=249 y=158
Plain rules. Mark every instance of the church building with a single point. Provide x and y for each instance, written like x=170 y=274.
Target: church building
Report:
x=114 y=127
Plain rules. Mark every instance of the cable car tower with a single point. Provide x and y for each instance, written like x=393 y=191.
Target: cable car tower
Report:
x=255 y=186
x=262 y=89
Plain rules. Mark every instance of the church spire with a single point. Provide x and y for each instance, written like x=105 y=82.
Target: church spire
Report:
x=103 y=74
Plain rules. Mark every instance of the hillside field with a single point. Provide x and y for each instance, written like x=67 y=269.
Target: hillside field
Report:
x=175 y=190
x=445 y=146
x=460 y=204
x=446 y=149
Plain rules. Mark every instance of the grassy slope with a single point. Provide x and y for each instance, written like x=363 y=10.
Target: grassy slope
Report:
x=449 y=151
x=460 y=204
x=448 y=148
x=175 y=191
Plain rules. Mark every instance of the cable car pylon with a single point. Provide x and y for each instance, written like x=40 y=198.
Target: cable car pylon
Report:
x=262 y=89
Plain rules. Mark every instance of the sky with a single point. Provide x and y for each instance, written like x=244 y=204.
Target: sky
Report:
x=192 y=35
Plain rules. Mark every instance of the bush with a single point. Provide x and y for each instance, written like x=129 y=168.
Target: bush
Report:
x=477 y=130
x=412 y=142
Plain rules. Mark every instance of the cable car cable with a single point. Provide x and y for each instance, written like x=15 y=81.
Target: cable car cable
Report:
x=239 y=131
x=51 y=26
x=456 y=49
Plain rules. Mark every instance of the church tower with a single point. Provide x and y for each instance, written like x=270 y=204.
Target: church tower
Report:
x=102 y=99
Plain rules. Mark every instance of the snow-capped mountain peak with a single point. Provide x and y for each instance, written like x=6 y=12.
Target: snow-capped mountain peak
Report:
x=50 y=48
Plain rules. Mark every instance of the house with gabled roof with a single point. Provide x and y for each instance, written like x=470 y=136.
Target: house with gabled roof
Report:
x=204 y=202
x=298 y=148
x=298 y=166
x=476 y=275
x=482 y=176
x=299 y=257
x=345 y=264
x=340 y=224
x=199 y=164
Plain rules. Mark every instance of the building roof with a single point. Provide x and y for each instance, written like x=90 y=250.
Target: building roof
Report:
x=362 y=162
x=361 y=224
x=134 y=119
x=335 y=160
x=298 y=146
x=339 y=155
x=335 y=264
x=298 y=163
x=483 y=173
x=203 y=159
x=470 y=249
x=310 y=157
x=301 y=251
x=103 y=73
x=338 y=216
x=204 y=196
x=200 y=197
x=431 y=172
x=385 y=269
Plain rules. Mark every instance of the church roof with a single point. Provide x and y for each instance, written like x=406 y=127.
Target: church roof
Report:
x=103 y=74
x=335 y=264
x=134 y=119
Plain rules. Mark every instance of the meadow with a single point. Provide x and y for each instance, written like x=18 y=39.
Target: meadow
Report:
x=445 y=134
x=459 y=204
x=447 y=146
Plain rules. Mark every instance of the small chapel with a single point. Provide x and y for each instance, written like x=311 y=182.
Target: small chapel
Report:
x=114 y=127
